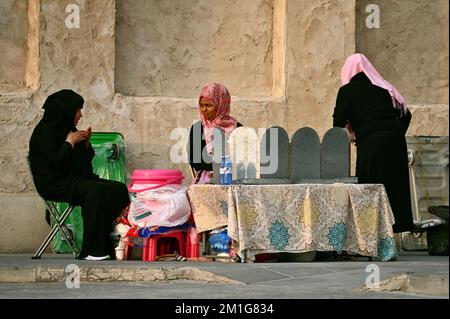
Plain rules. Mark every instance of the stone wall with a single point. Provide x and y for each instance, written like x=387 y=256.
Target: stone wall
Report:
x=179 y=45
x=410 y=49
x=13 y=44
x=292 y=52
x=320 y=35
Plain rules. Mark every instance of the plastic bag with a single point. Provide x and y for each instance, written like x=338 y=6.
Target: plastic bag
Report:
x=165 y=206
x=120 y=232
x=219 y=241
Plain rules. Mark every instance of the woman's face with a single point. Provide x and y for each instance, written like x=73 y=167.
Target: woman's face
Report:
x=77 y=118
x=208 y=109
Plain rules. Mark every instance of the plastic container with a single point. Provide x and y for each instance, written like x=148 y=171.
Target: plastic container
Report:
x=146 y=179
x=437 y=238
x=222 y=171
x=226 y=166
x=228 y=178
x=219 y=241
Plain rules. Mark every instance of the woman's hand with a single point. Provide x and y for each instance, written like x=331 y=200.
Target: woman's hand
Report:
x=75 y=137
x=351 y=133
x=87 y=136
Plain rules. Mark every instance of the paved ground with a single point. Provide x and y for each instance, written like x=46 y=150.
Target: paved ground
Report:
x=423 y=277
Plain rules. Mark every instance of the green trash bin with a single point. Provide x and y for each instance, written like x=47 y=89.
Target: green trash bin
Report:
x=108 y=163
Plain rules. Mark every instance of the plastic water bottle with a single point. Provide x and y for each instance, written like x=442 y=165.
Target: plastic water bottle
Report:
x=228 y=174
x=222 y=171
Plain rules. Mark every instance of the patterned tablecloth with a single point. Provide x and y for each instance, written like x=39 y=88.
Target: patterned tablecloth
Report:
x=299 y=217
x=209 y=205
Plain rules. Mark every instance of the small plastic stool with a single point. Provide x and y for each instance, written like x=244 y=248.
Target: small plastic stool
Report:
x=130 y=248
x=149 y=252
x=192 y=247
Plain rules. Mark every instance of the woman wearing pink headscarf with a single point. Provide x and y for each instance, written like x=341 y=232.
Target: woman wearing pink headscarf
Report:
x=214 y=112
x=376 y=113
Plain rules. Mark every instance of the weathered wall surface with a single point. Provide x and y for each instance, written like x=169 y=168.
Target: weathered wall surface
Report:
x=171 y=48
x=13 y=44
x=320 y=35
x=410 y=49
x=312 y=38
x=428 y=120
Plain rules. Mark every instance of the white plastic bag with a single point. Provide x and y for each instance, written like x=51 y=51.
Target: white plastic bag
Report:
x=165 y=206
x=120 y=230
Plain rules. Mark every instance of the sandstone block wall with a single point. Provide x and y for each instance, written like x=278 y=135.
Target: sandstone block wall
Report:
x=180 y=45
x=140 y=65
x=410 y=49
x=13 y=44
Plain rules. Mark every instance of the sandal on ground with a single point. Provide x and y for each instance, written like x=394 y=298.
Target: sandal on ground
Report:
x=180 y=258
x=170 y=257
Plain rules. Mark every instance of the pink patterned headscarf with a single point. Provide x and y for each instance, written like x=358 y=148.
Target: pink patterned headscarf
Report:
x=357 y=63
x=218 y=95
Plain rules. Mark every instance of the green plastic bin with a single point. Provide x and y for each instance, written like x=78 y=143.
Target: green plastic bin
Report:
x=108 y=163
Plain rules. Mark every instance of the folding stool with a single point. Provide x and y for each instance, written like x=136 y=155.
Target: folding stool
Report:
x=59 y=225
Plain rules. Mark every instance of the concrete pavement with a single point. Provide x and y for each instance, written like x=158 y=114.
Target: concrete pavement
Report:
x=413 y=275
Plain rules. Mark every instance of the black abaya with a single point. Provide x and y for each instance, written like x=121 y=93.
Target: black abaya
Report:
x=63 y=173
x=101 y=201
x=380 y=140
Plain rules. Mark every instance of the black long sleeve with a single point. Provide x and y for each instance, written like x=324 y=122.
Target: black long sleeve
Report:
x=405 y=120
x=47 y=147
x=340 y=114
x=367 y=107
x=54 y=163
x=197 y=147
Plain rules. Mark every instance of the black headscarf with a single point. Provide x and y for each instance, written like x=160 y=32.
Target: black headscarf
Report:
x=60 y=109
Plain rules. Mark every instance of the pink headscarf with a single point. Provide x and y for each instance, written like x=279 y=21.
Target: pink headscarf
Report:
x=218 y=95
x=357 y=63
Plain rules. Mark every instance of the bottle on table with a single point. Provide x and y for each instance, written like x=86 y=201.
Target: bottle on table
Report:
x=228 y=174
x=226 y=165
x=222 y=171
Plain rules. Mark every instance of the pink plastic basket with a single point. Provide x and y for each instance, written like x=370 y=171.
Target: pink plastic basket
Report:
x=146 y=179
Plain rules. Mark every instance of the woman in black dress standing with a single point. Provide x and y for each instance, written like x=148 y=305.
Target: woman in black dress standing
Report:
x=377 y=118
x=60 y=159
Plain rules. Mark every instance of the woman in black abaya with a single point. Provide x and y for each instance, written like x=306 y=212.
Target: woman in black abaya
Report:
x=60 y=158
x=376 y=113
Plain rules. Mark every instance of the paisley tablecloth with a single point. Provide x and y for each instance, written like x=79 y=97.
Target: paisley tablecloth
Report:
x=209 y=205
x=299 y=217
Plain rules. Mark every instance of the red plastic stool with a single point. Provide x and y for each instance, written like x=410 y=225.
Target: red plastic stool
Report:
x=191 y=247
x=129 y=248
x=150 y=251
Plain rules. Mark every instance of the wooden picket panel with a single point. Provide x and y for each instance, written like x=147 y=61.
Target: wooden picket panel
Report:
x=335 y=154
x=305 y=155
x=275 y=153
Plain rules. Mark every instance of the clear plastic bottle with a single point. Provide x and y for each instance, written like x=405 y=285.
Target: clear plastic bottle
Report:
x=222 y=171
x=228 y=174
